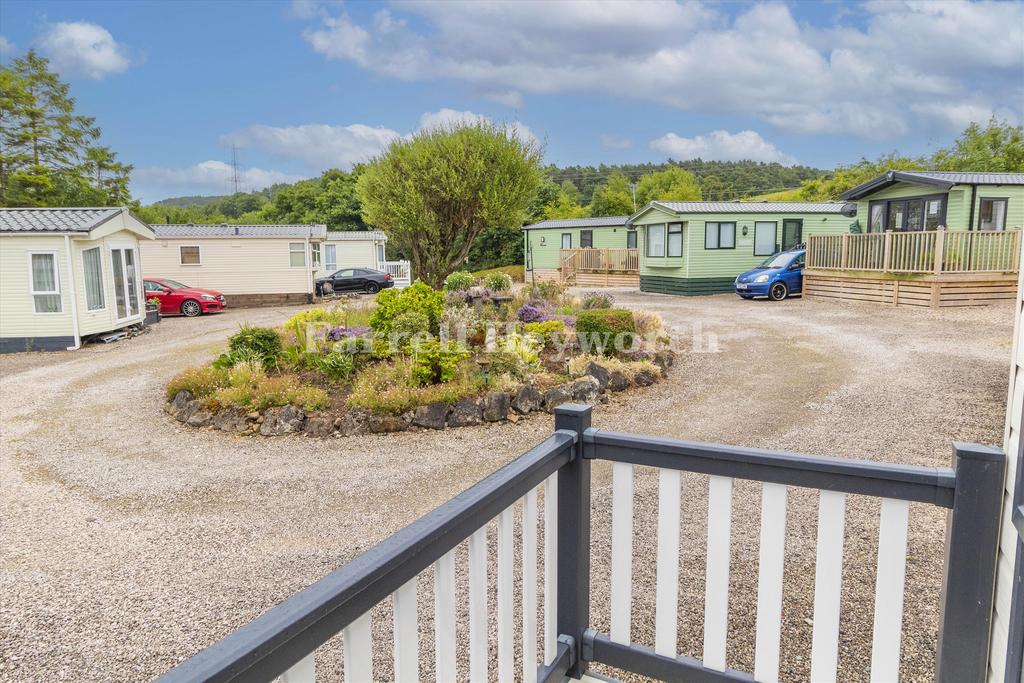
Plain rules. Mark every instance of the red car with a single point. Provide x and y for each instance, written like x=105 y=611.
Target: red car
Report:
x=178 y=298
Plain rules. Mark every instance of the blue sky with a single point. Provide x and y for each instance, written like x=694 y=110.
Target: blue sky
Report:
x=304 y=85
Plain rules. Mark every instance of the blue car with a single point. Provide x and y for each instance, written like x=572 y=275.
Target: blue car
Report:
x=778 y=277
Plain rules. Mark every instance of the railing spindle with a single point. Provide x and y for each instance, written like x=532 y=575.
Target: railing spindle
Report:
x=529 y=574
x=303 y=672
x=506 y=648
x=407 y=636
x=550 y=567
x=622 y=552
x=444 y=617
x=716 y=578
x=769 y=583
x=892 y=560
x=667 y=585
x=828 y=579
x=358 y=641
x=478 y=606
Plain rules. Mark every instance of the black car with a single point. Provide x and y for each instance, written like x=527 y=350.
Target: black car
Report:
x=354 y=280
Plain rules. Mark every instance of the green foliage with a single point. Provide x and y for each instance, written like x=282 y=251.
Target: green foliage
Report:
x=201 y=382
x=262 y=342
x=318 y=316
x=436 y=192
x=848 y=177
x=998 y=146
x=516 y=272
x=601 y=329
x=417 y=297
x=550 y=332
x=498 y=281
x=614 y=197
x=496 y=246
x=673 y=184
x=336 y=367
x=388 y=388
x=565 y=206
x=256 y=391
x=409 y=324
x=593 y=300
x=435 y=362
x=460 y=279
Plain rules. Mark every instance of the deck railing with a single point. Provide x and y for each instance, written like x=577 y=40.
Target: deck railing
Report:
x=927 y=252
x=601 y=260
x=283 y=640
x=400 y=271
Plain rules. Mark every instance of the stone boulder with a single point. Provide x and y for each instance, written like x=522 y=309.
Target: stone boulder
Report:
x=598 y=372
x=201 y=417
x=466 y=412
x=319 y=426
x=586 y=389
x=527 y=400
x=644 y=378
x=617 y=381
x=385 y=423
x=433 y=416
x=495 y=406
x=353 y=422
x=556 y=396
x=231 y=419
x=182 y=406
x=664 y=360
x=281 y=421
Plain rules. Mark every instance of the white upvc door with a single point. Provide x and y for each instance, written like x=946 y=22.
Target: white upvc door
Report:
x=125 y=267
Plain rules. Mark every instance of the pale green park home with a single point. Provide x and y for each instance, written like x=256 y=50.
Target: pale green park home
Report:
x=694 y=248
x=545 y=244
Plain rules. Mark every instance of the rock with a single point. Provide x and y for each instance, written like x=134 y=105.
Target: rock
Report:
x=465 y=413
x=319 y=426
x=557 y=396
x=280 y=421
x=353 y=422
x=182 y=406
x=495 y=406
x=431 y=416
x=231 y=419
x=586 y=389
x=253 y=415
x=527 y=400
x=664 y=360
x=617 y=381
x=385 y=423
x=513 y=417
x=644 y=378
x=598 y=372
x=201 y=417
x=634 y=356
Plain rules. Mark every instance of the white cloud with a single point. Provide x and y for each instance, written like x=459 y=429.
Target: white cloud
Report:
x=510 y=98
x=609 y=141
x=721 y=145
x=957 y=58
x=320 y=146
x=6 y=47
x=444 y=118
x=83 y=48
x=214 y=177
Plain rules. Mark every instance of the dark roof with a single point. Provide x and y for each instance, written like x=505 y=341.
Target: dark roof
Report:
x=55 y=220
x=176 y=230
x=941 y=179
x=748 y=207
x=597 y=222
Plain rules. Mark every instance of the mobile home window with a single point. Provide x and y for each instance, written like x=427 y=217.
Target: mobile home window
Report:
x=631 y=239
x=92 y=268
x=45 y=283
x=566 y=240
x=993 y=214
x=910 y=213
x=314 y=249
x=380 y=254
x=675 y=239
x=764 y=238
x=656 y=240
x=297 y=254
x=189 y=256
x=719 y=235
x=331 y=257
x=586 y=239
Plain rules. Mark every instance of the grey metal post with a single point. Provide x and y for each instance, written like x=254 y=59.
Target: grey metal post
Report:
x=972 y=541
x=574 y=536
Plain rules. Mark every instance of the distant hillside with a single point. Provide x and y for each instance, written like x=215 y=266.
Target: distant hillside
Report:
x=192 y=200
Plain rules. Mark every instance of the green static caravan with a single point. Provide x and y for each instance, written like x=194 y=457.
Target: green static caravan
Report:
x=543 y=242
x=695 y=248
x=906 y=201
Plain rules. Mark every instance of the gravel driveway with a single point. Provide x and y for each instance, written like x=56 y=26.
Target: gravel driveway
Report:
x=129 y=542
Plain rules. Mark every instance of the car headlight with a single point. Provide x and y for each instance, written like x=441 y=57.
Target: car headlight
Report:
x=207 y=297
x=761 y=278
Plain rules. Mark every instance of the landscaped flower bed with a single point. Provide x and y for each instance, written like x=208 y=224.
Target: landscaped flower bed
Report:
x=422 y=358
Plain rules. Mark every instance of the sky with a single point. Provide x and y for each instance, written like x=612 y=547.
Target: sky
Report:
x=298 y=86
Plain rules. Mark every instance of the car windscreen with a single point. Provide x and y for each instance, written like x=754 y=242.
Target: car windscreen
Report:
x=173 y=284
x=777 y=261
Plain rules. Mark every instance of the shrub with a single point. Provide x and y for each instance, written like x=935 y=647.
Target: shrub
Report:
x=458 y=323
x=417 y=297
x=456 y=298
x=318 y=317
x=648 y=323
x=629 y=368
x=387 y=388
x=262 y=342
x=407 y=325
x=530 y=314
x=259 y=392
x=435 y=362
x=201 y=382
x=498 y=281
x=549 y=332
x=459 y=280
x=597 y=300
x=516 y=272
x=336 y=367
x=602 y=330
x=549 y=291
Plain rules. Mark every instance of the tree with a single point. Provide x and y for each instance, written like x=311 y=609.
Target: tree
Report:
x=436 y=192
x=673 y=184
x=614 y=197
x=848 y=177
x=564 y=207
x=997 y=147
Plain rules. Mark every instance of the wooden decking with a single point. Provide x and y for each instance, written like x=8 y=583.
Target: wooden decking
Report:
x=600 y=267
x=935 y=268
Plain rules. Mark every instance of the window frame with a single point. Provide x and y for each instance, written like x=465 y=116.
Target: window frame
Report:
x=663 y=229
x=775 y=241
x=330 y=264
x=631 y=237
x=1006 y=209
x=943 y=197
x=589 y=238
x=718 y=228
x=139 y=308
x=314 y=254
x=56 y=283
x=564 y=235
x=292 y=252
x=85 y=271
x=669 y=232
x=199 y=252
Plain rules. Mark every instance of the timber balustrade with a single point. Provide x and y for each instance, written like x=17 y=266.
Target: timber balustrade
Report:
x=601 y=260
x=283 y=640
x=935 y=252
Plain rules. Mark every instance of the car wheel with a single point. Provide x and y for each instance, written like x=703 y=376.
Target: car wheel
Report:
x=372 y=288
x=778 y=292
x=191 y=308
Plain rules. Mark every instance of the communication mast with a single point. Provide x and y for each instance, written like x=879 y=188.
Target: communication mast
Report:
x=235 y=181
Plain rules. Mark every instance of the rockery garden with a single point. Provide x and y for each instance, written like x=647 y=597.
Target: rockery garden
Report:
x=479 y=350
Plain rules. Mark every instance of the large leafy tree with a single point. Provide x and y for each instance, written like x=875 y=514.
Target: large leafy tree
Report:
x=49 y=154
x=673 y=184
x=998 y=146
x=848 y=177
x=436 y=192
x=614 y=197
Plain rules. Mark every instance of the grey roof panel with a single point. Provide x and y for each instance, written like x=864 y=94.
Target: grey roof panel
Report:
x=177 y=230
x=55 y=220
x=342 y=235
x=944 y=180
x=596 y=222
x=752 y=207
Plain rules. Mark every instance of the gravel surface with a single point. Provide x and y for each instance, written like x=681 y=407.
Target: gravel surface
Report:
x=130 y=542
